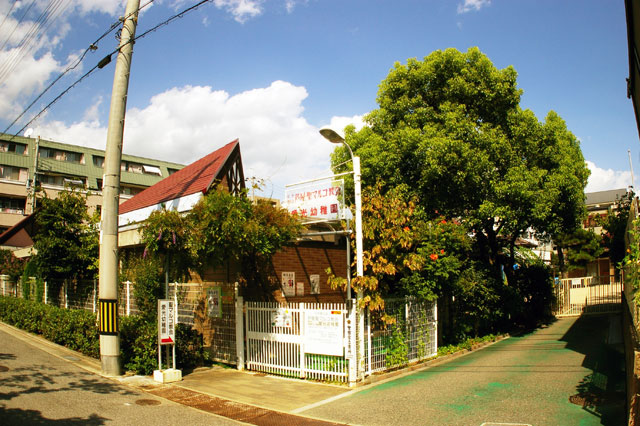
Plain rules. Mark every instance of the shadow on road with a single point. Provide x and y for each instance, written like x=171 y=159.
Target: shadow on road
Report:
x=32 y=380
x=14 y=416
x=601 y=393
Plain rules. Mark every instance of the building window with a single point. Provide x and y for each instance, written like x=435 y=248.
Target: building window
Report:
x=98 y=161
x=17 y=174
x=130 y=190
x=128 y=166
x=12 y=205
x=60 y=155
x=63 y=181
x=14 y=147
x=171 y=171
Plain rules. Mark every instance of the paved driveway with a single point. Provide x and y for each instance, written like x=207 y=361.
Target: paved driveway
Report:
x=568 y=373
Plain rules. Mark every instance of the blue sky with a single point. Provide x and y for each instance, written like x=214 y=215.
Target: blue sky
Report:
x=271 y=73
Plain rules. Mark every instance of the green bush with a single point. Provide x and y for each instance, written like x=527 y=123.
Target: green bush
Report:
x=139 y=346
x=78 y=330
x=74 y=329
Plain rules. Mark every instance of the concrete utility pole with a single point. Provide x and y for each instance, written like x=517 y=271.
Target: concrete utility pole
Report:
x=108 y=278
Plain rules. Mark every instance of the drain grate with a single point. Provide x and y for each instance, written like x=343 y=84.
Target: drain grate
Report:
x=146 y=402
x=234 y=410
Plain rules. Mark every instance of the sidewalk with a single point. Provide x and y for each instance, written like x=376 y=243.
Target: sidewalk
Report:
x=248 y=397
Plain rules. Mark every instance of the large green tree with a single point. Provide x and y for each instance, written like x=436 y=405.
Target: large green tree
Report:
x=451 y=129
x=227 y=227
x=66 y=238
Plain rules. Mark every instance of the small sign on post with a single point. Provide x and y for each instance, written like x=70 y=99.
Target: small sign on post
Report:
x=166 y=322
x=167 y=315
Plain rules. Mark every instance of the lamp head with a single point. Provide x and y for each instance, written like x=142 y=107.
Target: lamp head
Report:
x=331 y=135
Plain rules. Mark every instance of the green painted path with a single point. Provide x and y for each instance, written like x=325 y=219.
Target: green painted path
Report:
x=569 y=373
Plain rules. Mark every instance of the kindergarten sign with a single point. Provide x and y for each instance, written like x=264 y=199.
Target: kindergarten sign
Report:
x=317 y=201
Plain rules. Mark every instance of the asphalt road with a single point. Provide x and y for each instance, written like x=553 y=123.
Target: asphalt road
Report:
x=565 y=374
x=39 y=388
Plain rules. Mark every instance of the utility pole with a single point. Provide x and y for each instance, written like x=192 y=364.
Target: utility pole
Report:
x=35 y=172
x=108 y=276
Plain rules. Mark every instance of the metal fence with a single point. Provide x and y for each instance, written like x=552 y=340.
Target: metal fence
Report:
x=587 y=295
x=210 y=307
x=405 y=332
x=297 y=340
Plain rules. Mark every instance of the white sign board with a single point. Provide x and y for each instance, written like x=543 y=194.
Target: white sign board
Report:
x=315 y=284
x=166 y=322
x=316 y=201
x=214 y=302
x=289 y=284
x=324 y=332
x=281 y=317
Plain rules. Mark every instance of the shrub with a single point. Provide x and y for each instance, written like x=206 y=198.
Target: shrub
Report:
x=76 y=330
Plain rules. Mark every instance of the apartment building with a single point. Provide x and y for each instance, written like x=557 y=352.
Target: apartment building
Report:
x=28 y=163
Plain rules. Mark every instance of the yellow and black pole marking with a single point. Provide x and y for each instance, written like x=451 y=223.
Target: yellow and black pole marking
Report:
x=108 y=317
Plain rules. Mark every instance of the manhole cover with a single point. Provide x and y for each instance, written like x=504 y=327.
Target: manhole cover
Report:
x=147 y=402
x=3 y=368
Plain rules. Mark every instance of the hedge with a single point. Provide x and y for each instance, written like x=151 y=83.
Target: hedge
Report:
x=78 y=330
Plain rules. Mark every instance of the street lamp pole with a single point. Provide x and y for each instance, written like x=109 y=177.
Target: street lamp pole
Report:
x=335 y=137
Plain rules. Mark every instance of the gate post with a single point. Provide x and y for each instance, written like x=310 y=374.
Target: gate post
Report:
x=350 y=331
x=239 y=329
x=301 y=326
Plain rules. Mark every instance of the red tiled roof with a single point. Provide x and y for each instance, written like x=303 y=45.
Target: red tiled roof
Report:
x=196 y=177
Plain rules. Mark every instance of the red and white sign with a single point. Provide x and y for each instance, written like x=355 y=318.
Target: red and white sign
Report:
x=320 y=200
x=166 y=322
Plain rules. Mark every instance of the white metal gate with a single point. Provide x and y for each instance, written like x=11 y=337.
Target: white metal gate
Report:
x=297 y=340
x=587 y=295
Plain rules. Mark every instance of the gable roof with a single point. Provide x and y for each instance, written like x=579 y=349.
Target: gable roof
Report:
x=19 y=235
x=196 y=177
x=604 y=197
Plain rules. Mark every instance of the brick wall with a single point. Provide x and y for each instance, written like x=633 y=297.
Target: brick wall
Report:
x=311 y=258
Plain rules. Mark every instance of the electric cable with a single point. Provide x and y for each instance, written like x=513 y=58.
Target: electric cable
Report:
x=8 y=13
x=106 y=60
x=17 y=24
x=32 y=38
x=92 y=47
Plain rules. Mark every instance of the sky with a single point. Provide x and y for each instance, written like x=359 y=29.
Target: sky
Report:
x=271 y=73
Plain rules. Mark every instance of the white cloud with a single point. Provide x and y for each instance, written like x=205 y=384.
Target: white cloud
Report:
x=111 y=8
x=241 y=10
x=184 y=124
x=339 y=123
x=40 y=58
x=472 y=5
x=606 y=179
x=31 y=78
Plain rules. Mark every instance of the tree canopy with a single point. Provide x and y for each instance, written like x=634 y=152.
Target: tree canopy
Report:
x=66 y=238
x=450 y=128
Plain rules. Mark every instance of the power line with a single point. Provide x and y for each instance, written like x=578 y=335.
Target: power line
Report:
x=92 y=47
x=33 y=36
x=17 y=24
x=8 y=13
x=105 y=61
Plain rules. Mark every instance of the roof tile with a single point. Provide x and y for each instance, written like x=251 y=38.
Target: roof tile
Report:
x=196 y=177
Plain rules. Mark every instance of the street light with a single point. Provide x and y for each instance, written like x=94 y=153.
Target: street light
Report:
x=335 y=137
